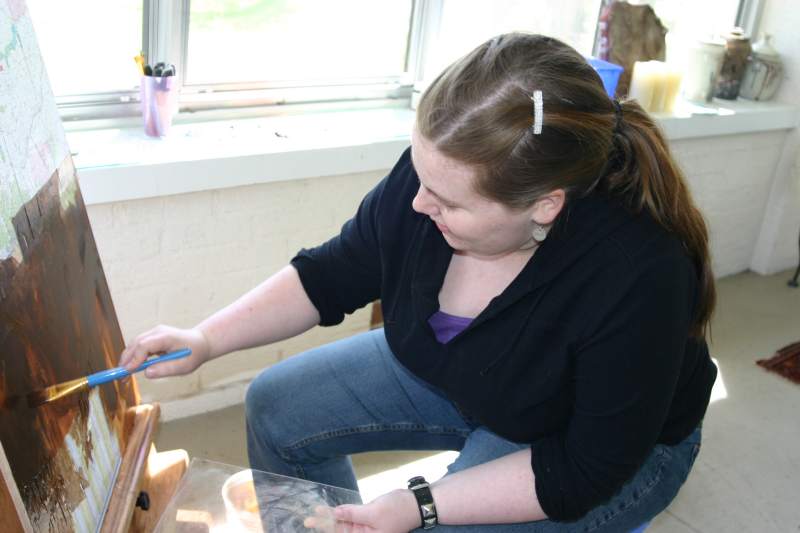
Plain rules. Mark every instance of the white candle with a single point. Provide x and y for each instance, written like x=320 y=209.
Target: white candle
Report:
x=644 y=83
x=655 y=85
x=673 y=85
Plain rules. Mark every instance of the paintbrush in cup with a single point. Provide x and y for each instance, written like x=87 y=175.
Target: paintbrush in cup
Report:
x=54 y=392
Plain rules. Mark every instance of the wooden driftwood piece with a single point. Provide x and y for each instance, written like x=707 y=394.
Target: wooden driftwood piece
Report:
x=635 y=33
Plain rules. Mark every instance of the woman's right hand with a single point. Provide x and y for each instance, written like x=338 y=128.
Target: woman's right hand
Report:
x=161 y=340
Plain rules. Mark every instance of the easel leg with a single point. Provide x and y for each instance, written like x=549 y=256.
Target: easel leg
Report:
x=164 y=471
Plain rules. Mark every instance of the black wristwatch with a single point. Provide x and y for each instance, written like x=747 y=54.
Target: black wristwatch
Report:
x=427 y=509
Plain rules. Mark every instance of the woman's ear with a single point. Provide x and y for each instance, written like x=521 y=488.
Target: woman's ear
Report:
x=547 y=207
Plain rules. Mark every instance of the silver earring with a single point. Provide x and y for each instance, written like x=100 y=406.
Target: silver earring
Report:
x=539 y=232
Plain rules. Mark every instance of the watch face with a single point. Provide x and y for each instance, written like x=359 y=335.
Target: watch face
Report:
x=416 y=480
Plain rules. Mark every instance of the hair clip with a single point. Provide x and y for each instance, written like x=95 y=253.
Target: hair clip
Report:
x=538 y=112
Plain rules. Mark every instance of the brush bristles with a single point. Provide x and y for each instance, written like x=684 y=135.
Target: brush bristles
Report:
x=54 y=392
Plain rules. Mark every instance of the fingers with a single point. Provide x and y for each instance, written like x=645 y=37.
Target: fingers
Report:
x=155 y=341
x=323 y=520
x=170 y=368
x=128 y=353
x=133 y=355
x=327 y=520
x=350 y=513
x=357 y=516
x=163 y=339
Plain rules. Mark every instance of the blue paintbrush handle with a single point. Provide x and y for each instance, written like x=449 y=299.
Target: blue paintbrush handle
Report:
x=104 y=376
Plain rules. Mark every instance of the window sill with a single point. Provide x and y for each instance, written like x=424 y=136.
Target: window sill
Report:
x=726 y=117
x=123 y=164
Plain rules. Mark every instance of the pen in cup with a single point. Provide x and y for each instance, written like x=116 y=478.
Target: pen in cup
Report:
x=140 y=63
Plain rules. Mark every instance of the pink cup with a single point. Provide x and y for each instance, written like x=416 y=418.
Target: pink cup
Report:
x=159 y=104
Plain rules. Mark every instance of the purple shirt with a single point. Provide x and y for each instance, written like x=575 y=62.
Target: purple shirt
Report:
x=445 y=326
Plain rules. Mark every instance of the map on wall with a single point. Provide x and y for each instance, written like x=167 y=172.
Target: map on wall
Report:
x=37 y=145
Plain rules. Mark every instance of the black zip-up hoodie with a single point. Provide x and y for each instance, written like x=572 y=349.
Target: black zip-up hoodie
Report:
x=586 y=355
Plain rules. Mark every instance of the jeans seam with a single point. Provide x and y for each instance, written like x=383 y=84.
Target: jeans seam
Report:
x=645 y=491
x=371 y=428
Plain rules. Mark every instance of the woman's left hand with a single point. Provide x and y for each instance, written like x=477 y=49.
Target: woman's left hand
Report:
x=395 y=512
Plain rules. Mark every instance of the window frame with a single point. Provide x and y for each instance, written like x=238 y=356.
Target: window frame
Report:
x=748 y=16
x=165 y=34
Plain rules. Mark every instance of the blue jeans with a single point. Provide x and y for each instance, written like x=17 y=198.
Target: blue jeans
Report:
x=307 y=414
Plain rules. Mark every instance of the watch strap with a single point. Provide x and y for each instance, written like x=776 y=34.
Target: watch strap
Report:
x=427 y=509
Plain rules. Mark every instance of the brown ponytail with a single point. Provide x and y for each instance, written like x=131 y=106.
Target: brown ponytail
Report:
x=479 y=112
x=649 y=177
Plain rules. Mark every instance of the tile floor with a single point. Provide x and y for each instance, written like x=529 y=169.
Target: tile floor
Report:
x=747 y=477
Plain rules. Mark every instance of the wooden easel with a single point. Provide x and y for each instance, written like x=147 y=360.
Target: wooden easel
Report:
x=143 y=471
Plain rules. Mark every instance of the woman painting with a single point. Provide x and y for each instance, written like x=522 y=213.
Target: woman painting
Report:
x=546 y=287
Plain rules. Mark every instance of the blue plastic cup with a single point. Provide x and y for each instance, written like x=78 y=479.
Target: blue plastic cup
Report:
x=609 y=73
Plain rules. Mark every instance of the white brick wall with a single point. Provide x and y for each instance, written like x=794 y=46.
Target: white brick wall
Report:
x=730 y=178
x=176 y=259
x=777 y=245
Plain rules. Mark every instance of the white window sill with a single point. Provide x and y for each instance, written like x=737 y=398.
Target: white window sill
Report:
x=123 y=164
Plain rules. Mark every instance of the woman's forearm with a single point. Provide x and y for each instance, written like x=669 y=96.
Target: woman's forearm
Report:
x=501 y=491
x=276 y=309
x=497 y=492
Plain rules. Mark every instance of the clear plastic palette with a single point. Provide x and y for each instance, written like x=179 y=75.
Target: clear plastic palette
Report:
x=216 y=497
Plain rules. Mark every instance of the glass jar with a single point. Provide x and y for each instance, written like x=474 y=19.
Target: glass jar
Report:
x=737 y=51
x=763 y=73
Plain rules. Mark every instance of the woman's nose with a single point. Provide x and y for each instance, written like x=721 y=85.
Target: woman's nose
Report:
x=423 y=203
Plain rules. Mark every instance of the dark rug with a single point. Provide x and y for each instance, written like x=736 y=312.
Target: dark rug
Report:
x=785 y=362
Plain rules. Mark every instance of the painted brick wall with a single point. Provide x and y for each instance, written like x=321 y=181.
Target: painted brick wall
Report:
x=176 y=259
x=730 y=178
x=777 y=245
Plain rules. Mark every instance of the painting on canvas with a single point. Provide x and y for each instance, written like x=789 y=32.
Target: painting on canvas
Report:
x=57 y=320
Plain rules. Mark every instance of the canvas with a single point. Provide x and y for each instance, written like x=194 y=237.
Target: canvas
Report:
x=57 y=321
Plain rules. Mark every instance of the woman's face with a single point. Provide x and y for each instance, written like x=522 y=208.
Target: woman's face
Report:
x=469 y=222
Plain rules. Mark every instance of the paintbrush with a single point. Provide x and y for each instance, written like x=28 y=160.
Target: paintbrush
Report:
x=54 y=392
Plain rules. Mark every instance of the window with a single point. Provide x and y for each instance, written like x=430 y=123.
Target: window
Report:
x=296 y=41
x=241 y=52
x=79 y=68
x=708 y=19
x=258 y=52
x=467 y=23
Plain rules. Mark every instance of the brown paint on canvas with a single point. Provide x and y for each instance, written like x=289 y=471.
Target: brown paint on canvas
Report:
x=57 y=323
